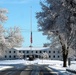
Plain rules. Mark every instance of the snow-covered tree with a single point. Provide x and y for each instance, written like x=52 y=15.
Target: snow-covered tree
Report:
x=2 y=40
x=54 y=41
x=3 y=16
x=44 y=55
x=59 y=17
x=20 y=55
x=14 y=37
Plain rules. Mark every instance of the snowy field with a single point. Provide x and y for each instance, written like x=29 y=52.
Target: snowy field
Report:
x=54 y=64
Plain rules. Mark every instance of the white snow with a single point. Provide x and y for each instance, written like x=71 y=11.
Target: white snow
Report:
x=5 y=67
x=7 y=64
x=54 y=64
x=33 y=48
x=72 y=66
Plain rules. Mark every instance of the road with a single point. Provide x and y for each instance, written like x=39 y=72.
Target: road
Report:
x=30 y=70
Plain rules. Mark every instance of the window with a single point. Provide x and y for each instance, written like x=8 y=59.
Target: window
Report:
x=14 y=56
x=19 y=51
x=9 y=51
x=14 y=52
x=36 y=56
x=27 y=51
x=49 y=51
x=44 y=51
x=53 y=51
x=58 y=56
x=40 y=52
x=9 y=56
x=23 y=51
x=54 y=56
x=31 y=51
x=27 y=55
x=5 y=56
x=36 y=52
x=49 y=56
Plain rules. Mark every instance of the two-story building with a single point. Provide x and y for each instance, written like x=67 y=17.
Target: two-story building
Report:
x=23 y=53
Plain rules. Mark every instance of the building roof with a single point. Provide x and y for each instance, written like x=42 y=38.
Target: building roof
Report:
x=33 y=48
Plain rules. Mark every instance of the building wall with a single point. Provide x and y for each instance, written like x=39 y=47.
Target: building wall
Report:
x=23 y=54
x=10 y=54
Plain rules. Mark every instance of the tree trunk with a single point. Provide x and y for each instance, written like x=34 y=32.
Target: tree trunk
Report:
x=64 y=51
x=64 y=60
x=65 y=55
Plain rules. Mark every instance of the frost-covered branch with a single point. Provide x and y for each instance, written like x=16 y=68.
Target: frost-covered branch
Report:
x=3 y=16
x=14 y=37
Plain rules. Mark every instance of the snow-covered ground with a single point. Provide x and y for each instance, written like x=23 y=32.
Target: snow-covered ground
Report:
x=6 y=64
x=72 y=66
x=54 y=64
